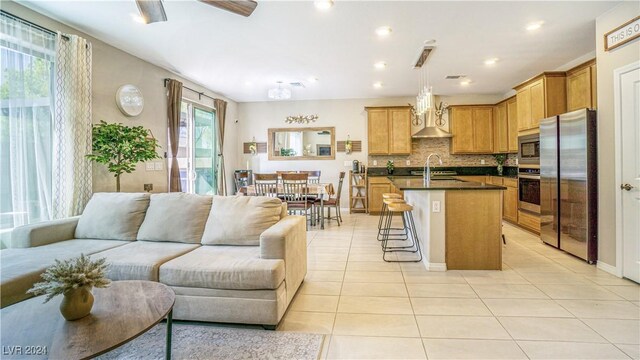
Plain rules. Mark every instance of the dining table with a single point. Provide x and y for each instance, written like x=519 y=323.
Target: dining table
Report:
x=321 y=191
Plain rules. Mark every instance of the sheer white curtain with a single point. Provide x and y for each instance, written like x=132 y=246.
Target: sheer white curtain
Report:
x=26 y=95
x=72 y=126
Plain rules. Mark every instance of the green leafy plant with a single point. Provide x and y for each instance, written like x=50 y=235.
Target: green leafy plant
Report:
x=500 y=158
x=390 y=166
x=71 y=274
x=121 y=147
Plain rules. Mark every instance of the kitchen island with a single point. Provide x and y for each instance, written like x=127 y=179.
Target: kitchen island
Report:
x=459 y=223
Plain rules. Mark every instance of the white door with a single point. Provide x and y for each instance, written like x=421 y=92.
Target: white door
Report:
x=627 y=84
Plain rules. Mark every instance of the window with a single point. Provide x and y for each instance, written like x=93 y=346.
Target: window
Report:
x=197 y=149
x=27 y=56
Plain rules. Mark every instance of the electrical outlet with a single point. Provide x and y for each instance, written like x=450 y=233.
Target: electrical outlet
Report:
x=158 y=165
x=149 y=166
x=148 y=187
x=435 y=206
x=482 y=162
x=375 y=162
x=516 y=161
x=346 y=163
x=408 y=162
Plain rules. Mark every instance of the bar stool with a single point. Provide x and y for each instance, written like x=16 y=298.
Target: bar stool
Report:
x=410 y=229
x=385 y=200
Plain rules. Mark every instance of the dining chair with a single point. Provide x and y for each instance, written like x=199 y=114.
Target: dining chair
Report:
x=266 y=184
x=241 y=180
x=280 y=173
x=295 y=192
x=335 y=202
x=314 y=176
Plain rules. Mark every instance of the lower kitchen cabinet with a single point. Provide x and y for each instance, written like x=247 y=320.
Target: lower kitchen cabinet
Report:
x=529 y=221
x=377 y=187
x=510 y=201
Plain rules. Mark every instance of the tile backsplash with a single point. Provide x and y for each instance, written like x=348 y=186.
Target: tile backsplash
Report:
x=421 y=148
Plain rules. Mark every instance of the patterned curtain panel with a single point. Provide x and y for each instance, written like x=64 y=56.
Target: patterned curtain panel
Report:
x=221 y=112
x=72 y=126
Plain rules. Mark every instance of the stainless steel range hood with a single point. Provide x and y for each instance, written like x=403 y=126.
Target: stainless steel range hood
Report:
x=431 y=130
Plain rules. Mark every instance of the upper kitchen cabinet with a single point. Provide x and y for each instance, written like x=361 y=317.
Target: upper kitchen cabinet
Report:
x=389 y=130
x=472 y=129
x=581 y=86
x=539 y=98
x=500 y=128
x=512 y=121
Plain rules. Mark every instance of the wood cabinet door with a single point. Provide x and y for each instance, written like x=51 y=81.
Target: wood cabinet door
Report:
x=378 y=131
x=510 y=207
x=500 y=128
x=594 y=87
x=579 y=90
x=537 y=103
x=512 y=125
x=462 y=130
x=399 y=131
x=375 y=196
x=483 y=130
x=523 y=99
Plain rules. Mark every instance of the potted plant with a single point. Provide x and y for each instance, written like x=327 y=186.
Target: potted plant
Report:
x=73 y=278
x=121 y=147
x=500 y=159
x=390 y=167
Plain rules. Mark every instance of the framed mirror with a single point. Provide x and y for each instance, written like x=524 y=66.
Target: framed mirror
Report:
x=315 y=143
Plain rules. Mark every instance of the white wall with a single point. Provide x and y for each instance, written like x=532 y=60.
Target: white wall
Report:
x=607 y=62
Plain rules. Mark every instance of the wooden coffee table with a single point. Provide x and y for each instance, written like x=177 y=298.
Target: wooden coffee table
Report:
x=121 y=312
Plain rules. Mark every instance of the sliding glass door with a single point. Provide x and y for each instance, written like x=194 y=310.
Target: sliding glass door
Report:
x=197 y=149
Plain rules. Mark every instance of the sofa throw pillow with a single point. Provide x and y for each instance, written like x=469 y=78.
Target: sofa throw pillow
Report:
x=239 y=220
x=175 y=217
x=113 y=216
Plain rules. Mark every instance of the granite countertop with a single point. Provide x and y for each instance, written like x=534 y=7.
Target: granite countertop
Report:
x=509 y=171
x=416 y=183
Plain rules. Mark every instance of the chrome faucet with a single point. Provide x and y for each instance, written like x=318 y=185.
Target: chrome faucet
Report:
x=426 y=176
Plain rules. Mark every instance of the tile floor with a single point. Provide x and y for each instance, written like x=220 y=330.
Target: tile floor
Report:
x=545 y=304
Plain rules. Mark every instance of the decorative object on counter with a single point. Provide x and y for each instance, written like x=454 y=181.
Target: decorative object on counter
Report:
x=129 y=100
x=440 y=111
x=279 y=93
x=415 y=118
x=73 y=278
x=122 y=147
x=301 y=119
x=390 y=167
x=356 y=146
x=500 y=159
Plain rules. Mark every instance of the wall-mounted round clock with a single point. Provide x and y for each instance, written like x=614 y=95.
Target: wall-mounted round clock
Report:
x=129 y=100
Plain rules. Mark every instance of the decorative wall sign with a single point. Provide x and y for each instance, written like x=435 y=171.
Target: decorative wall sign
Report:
x=129 y=100
x=356 y=146
x=260 y=146
x=622 y=34
x=301 y=119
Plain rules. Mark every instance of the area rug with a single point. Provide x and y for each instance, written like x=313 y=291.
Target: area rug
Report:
x=210 y=342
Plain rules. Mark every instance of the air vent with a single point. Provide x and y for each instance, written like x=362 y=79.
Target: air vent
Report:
x=455 y=77
x=297 y=84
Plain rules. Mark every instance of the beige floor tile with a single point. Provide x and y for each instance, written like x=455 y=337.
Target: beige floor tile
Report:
x=550 y=329
x=373 y=276
x=307 y=322
x=315 y=303
x=616 y=331
x=554 y=278
x=570 y=350
x=327 y=265
x=607 y=279
x=526 y=307
x=322 y=275
x=472 y=349
x=372 y=266
x=493 y=277
x=449 y=306
x=375 y=325
x=578 y=292
x=320 y=288
x=319 y=257
x=374 y=289
x=370 y=257
x=601 y=309
x=441 y=290
x=631 y=293
x=375 y=305
x=362 y=347
x=432 y=277
x=632 y=350
x=461 y=327
x=328 y=242
x=508 y=291
x=413 y=267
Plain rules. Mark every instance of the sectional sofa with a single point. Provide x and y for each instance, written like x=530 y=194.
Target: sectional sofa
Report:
x=228 y=259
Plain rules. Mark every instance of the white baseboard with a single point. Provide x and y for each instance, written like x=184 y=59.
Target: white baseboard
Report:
x=608 y=268
x=435 y=266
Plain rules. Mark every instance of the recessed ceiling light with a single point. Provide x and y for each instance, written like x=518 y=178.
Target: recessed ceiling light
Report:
x=138 y=18
x=323 y=5
x=534 y=25
x=491 y=61
x=380 y=65
x=377 y=85
x=465 y=82
x=383 y=31
x=312 y=79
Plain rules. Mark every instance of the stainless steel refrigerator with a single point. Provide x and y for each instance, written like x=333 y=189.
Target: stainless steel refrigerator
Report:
x=568 y=183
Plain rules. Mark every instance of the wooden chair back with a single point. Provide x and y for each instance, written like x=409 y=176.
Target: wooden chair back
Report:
x=340 y=181
x=295 y=189
x=266 y=184
x=314 y=176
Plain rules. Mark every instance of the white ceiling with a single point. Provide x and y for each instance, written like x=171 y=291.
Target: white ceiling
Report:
x=291 y=41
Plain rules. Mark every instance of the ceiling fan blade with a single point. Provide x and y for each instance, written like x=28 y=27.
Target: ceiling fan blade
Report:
x=240 y=7
x=151 y=10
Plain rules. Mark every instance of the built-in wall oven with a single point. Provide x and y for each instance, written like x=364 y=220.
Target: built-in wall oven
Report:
x=529 y=149
x=529 y=189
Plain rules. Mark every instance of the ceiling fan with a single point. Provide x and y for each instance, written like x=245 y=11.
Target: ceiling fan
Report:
x=153 y=10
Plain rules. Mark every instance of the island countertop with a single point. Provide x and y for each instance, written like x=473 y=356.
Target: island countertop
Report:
x=406 y=183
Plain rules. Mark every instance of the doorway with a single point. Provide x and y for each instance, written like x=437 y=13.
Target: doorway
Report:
x=627 y=115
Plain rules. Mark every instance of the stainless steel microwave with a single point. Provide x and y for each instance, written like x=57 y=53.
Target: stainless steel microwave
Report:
x=529 y=149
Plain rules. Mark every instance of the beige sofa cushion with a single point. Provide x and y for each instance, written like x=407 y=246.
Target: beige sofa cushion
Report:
x=141 y=260
x=223 y=267
x=239 y=220
x=175 y=217
x=112 y=216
